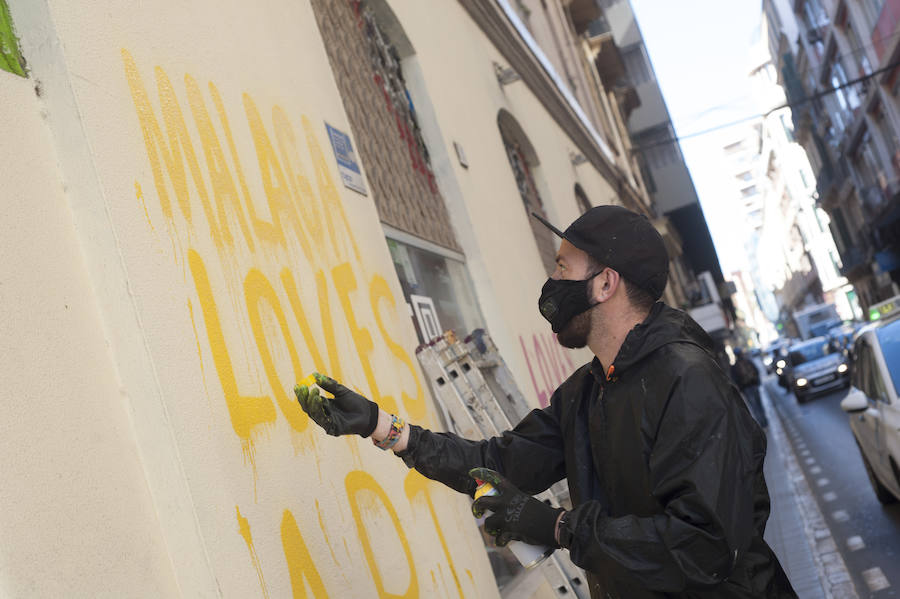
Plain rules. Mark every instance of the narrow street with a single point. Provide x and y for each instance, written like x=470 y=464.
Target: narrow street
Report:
x=866 y=533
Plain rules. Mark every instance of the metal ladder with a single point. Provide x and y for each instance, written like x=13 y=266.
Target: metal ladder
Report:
x=478 y=399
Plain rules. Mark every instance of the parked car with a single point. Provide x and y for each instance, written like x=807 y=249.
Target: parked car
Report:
x=815 y=367
x=873 y=405
x=781 y=364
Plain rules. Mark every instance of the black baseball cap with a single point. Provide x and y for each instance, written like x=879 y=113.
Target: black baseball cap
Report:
x=623 y=240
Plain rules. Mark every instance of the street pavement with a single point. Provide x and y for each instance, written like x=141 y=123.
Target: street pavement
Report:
x=833 y=537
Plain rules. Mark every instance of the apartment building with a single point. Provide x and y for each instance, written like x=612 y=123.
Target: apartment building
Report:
x=838 y=62
x=666 y=174
x=794 y=257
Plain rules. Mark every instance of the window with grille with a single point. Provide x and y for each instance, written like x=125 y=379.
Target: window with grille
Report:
x=523 y=162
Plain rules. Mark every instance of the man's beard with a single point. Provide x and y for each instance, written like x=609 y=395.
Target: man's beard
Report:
x=575 y=334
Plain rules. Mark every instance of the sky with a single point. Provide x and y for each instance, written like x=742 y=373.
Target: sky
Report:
x=701 y=53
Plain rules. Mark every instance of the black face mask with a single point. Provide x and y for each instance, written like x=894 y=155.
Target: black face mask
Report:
x=562 y=300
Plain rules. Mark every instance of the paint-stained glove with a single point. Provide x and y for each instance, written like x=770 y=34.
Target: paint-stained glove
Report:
x=515 y=516
x=347 y=413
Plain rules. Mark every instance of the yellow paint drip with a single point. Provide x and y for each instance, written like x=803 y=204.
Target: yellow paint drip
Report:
x=140 y=196
x=307 y=381
x=244 y=530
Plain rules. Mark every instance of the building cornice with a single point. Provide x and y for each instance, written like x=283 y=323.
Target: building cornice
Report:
x=495 y=22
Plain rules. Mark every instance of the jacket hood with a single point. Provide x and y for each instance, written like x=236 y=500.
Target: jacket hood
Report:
x=664 y=325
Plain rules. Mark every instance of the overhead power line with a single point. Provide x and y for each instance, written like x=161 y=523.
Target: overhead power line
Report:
x=854 y=53
x=792 y=105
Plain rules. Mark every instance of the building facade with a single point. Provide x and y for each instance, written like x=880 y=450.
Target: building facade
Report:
x=666 y=173
x=206 y=203
x=838 y=61
x=792 y=257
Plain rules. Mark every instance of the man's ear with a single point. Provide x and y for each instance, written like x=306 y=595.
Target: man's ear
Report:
x=605 y=285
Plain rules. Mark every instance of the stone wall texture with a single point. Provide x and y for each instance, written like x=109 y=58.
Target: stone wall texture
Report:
x=402 y=183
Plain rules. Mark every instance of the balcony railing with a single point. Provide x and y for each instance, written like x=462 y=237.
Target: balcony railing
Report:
x=873 y=197
x=583 y=12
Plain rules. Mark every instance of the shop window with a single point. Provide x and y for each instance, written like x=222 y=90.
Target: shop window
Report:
x=10 y=56
x=437 y=286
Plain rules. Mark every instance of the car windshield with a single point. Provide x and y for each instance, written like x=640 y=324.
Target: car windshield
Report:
x=807 y=352
x=889 y=340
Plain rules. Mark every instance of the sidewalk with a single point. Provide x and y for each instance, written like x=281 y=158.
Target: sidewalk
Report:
x=796 y=530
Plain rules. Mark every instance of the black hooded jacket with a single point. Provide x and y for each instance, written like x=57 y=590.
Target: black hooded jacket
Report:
x=664 y=466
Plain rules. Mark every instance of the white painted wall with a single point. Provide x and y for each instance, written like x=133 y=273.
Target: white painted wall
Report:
x=153 y=447
x=74 y=495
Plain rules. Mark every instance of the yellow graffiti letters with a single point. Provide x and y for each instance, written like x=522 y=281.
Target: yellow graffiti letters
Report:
x=232 y=148
x=290 y=286
x=275 y=185
x=305 y=221
x=256 y=289
x=300 y=563
x=345 y=282
x=224 y=190
x=307 y=204
x=415 y=484
x=328 y=194
x=244 y=530
x=356 y=482
x=378 y=290
x=178 y=141
x=246 y=411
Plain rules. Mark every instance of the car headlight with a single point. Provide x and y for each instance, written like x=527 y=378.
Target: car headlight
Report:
x=801 y=382
x=842 y=368
x=767 y=360
x=780 y=363
x=778 y=371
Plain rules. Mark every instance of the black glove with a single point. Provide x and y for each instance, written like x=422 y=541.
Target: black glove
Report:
x=347 y=413
x=516 y=516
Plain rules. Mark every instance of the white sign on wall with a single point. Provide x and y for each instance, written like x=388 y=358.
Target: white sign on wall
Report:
x=348 y=166
x=426 y=317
